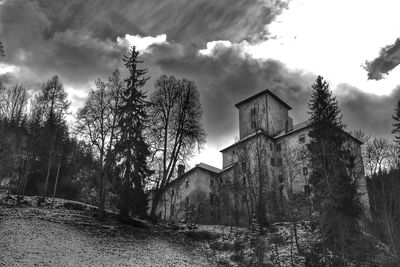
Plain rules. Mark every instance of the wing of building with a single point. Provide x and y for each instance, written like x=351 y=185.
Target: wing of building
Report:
x=269 y=162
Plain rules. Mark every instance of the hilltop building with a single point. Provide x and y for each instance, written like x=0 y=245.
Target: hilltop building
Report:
x=270 y=160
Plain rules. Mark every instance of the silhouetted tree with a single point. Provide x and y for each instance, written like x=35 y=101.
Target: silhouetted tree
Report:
x=176 y=129
x=1 y=50
x=131 y=149
x=97 y=123
x=396 y=125
x=53 y=107
x=334 y=185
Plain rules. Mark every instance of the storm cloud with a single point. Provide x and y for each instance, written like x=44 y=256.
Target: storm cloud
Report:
x=77 y=39
x=388 y=59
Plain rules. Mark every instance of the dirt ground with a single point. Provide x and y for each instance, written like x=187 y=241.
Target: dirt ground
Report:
x=30 y=237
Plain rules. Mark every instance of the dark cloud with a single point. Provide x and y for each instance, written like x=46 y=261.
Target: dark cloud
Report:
x=76 y=39
x=369 y=112
x=183 y=21
x=77 y=56
x=388 y=59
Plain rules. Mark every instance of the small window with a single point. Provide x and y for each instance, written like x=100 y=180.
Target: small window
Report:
x=172 y=192
x=279 y=162
x=278 y=147
x=243 y=165
x=305 y=171
x=187 y=183
x=307 y=189
x=272 y=161
x=212 y=183
x=280 y=177
x=302 y=138
x=244 y=181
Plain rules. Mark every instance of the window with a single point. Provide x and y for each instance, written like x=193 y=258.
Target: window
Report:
x=213 y=198
x=187 y=183
x=253 y=111
x=253 y=118
x=244 y=165
x=279 y=147
x=307 y=189
x=302 y=153
x=305 y=171
x=212 y=183
x=302 y=138
x=272 y=161
x=279 y=162
x=173 y=192
x=280 y=177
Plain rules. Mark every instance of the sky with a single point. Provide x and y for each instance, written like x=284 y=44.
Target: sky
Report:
x=230 y=49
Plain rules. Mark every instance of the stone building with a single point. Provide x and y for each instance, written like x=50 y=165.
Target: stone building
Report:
x=268 y=164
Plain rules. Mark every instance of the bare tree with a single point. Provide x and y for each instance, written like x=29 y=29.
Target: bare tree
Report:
x=375 y=155
x=13 y=101
x=97 y=123
x=53 y=107
x=254 y=159
x=175 y=128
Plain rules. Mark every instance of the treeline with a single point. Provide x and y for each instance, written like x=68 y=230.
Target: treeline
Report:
x=382 y=165
x=121 y=143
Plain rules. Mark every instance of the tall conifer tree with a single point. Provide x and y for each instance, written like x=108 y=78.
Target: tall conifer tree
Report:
x=131 y=148
x=396 y=124
x=334 y=187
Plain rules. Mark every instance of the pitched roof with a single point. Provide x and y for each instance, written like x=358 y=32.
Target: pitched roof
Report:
x=250 y=136
x=208 y=167
x=266 y=91
x=306 y=124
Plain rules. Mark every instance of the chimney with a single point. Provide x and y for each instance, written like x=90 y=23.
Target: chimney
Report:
x=181 y=170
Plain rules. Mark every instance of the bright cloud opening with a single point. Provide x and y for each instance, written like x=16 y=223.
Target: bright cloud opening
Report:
x=141 y=43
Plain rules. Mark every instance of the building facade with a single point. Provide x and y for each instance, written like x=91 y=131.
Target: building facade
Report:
x=266 y=170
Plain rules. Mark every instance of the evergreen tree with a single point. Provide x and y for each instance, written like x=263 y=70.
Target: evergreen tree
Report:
x=334 y=186
x=131 y=149
x=1 y=50
x=396 y=125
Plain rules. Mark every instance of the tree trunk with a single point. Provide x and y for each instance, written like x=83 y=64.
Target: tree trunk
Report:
x=48 y=169
x=124 y=206
x=154 y=204
x=55 y=184
x=26 y=175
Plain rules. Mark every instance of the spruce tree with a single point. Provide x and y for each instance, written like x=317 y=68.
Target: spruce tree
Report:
x=131 y=148
x=396 y=124
x=334 y=187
